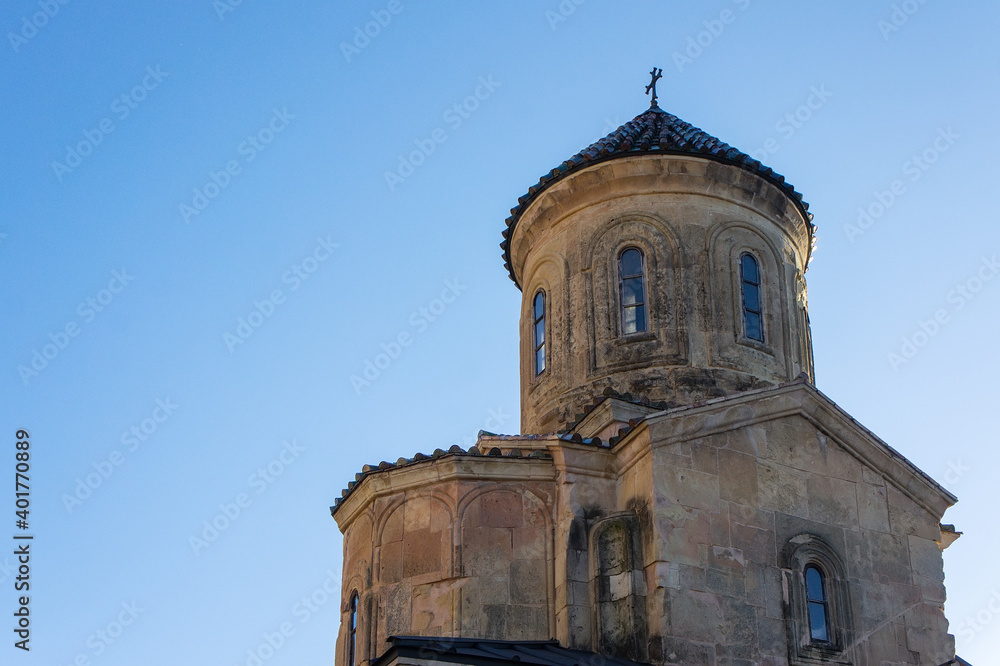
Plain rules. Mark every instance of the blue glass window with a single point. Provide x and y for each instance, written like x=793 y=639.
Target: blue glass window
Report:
x=753 y=319
x=817 y=605
x=538 y=309
x=353 y=634
x=632 y=288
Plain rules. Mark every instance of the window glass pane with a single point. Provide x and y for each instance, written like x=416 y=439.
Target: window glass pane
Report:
x=814 y=585
x=539 y=305
x=753 y=325
x=750 y=269
x=751 y=297
x=632 y=291
x=640 y=318
x=539 y=359
x=817 y=621
x=629 y=320
x=631 y=263
x=539 y=332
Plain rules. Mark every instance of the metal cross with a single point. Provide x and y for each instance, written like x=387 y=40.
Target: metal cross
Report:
x=657 y=74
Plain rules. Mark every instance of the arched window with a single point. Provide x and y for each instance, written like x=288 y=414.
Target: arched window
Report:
x=632 y=291
x=753 y=320
x=817 y=605
x=538 y=310
x=352 y=638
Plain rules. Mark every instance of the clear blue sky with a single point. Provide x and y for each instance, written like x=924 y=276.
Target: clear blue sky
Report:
x=299 y=133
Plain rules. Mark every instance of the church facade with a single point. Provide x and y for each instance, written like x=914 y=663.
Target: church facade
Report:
x=684 y=494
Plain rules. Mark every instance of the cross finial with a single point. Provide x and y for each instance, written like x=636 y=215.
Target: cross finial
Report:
x=657 y=74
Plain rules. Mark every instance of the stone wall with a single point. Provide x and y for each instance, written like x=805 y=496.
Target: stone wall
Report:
x=758 y=490
x=439 y=549
x=692 y=219
x=684 y=542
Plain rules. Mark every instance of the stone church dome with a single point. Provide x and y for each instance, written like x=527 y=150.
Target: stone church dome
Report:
x=652 y=131
x=660 y=262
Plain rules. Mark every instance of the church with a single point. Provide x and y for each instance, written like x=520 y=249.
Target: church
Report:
x=682 y=492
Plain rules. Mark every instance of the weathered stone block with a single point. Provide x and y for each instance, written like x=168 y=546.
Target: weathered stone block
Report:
x=832 y=501
x=926 y=559
x=738 y=478
x=782 y=489
x=756 y=544
x=873 y=507
x=393 y=528
x=528 y=582
x=422 y=552
x=694 y=615
x=501 y=509
x=688 y=488
x=528 y=543
x=486 y=551
x=417 y=513
x=391 y=562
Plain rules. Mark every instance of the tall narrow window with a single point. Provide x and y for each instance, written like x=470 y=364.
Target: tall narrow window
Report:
x=817 y=605
x=353 y=635
x=753 y=321
x=633 y=291
x=539 y=318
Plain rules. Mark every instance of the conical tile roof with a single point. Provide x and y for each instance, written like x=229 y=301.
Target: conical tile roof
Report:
x=653 y=131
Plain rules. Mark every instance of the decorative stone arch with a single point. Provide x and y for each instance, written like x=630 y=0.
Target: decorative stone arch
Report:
x=366 y=627
x=725 y=244
x=618 y=587
x=665 y=338
x=410 y=554
x=359 y=551
x=799 y=553
x=551 y=275
x=399 y=503
x=483 y=556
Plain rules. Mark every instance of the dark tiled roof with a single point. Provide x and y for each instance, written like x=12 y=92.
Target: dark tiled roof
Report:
x=456 y=450
x=653 y=131
x=491 y=652
x=642 y=401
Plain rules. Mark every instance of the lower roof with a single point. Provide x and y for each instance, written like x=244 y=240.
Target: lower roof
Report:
x=482 y=652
